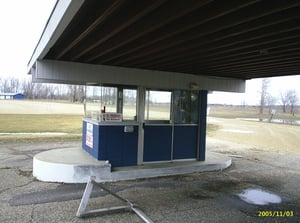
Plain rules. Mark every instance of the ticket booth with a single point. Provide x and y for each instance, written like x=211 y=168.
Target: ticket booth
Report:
x=135 y=126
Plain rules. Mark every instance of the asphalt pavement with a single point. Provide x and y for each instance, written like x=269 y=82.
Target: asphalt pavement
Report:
x=199 y=197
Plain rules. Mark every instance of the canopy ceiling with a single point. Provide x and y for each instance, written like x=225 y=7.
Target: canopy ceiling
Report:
x=240 y=39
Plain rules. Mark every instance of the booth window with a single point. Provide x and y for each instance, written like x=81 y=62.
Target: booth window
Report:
x=101 y=99
x=129 y=104
x=158 y=106
x=98 y=97
x=185 y=107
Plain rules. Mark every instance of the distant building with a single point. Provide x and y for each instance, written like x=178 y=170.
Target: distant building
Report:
x=12 y=96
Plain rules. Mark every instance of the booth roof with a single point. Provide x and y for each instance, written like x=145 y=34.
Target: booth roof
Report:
x=236 y=39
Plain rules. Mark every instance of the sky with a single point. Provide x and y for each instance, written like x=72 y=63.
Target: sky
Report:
x=253 y=87
x=22 y=23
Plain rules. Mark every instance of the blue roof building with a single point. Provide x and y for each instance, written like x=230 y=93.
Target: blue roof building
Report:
x=12 y=96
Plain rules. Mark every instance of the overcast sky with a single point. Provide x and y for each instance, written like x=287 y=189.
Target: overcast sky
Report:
x=22 y=22
x=253 y=87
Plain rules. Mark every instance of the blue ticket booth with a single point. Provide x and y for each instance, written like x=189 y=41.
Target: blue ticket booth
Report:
x=135 y=126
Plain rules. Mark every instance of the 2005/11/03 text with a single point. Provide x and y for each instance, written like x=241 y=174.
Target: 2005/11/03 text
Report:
x=275 y=213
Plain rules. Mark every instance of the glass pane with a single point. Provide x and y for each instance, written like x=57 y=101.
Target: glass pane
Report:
x=99 y=97
x=129 y=104
x=185 y=107
x=108 y=98
x=158 y=105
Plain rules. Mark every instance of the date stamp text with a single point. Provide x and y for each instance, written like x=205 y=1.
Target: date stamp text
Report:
x=275 y=213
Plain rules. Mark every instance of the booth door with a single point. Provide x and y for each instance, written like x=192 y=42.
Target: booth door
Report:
x=186 y=120
x=171 y=126
x=157 y=127
x=157 y=143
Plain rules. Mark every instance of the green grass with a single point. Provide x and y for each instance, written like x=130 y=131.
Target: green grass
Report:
x=40 y=123
x=21 y=123
x=49 y=121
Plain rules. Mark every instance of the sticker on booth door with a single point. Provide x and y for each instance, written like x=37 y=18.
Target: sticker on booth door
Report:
x=89 y=138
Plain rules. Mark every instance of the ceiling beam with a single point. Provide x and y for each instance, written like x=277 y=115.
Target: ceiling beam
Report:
x=161 y=45
x=79 y=73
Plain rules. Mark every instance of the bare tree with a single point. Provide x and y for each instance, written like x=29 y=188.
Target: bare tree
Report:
x=10 y=85
x=5 y=86
x=1 y=84
x=14 y=85
x=61 y=91
x=292 y=100
x=270 y=102
x=28 y=89
x=81 y=93
x=77 y=93
x=72 y=92
x=42 y=90
x=284 y=100
x=263 y=94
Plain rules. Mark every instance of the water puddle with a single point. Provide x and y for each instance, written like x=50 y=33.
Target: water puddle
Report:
x=259 y=197
x=280 y=121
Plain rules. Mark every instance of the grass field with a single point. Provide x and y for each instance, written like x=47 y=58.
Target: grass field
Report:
x=40 y=107
x=39 y=117
x=48 y=116
x=16 y=123
x=249 y=112
x=40 y=123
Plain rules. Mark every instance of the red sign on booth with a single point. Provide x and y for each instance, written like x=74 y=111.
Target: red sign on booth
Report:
x=89 y=138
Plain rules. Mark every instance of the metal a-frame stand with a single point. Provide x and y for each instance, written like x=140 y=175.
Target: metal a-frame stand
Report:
x=129 y=206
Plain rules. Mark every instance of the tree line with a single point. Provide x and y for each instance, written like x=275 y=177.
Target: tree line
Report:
x=288 y=99
x=73 y=93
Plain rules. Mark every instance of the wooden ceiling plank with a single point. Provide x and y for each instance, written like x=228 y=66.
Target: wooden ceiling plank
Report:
x=295 y=62
x=143 y=28
x=163 y=47
x=99 y=35
x=169 y=24
x=109 y=12
x=257 y=60
x=250 y=56
x=242 y=57
x=231 y=43
x=207 y=56
x=136 y=27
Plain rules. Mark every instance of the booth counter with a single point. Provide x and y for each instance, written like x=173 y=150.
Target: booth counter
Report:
x=117 y=142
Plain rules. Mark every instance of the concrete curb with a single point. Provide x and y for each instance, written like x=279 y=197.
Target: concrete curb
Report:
x=76 y=166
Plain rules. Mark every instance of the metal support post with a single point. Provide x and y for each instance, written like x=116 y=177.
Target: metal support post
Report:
x=129 y=206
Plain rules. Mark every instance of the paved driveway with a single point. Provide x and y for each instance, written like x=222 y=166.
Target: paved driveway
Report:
x=198 y=197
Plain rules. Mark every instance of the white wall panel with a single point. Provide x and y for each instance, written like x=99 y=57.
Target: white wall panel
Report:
x=78 y=73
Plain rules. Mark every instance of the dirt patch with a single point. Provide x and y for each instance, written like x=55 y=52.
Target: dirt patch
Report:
x=265 y=136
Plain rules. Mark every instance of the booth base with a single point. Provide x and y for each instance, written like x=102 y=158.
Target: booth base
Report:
x=76 y=166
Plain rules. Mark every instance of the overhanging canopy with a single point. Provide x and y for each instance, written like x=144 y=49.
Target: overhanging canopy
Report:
x=240 y=39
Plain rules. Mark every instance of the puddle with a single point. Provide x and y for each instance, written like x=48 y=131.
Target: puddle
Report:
x=281 y=121
x=259 y=197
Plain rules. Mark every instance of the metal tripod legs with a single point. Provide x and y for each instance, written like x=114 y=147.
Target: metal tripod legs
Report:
x=129 y=206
